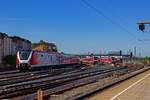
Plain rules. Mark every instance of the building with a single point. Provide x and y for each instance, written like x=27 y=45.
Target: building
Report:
x=19 y=43
x=9 y=45
x=44 y=46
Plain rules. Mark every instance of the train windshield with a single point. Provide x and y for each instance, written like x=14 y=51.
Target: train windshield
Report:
x=24 y=55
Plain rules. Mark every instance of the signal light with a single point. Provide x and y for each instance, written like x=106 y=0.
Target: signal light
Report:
x=141 y=27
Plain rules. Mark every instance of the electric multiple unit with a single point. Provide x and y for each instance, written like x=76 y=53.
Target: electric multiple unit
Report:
x=94 y=60
x=30 y=59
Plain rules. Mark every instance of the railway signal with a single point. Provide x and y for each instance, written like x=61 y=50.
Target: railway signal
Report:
x=142 y=25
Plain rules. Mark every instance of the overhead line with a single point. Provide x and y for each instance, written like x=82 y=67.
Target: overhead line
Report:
x=106 y=17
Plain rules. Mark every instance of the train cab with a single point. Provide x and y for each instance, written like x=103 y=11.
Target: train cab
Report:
x=23 y=60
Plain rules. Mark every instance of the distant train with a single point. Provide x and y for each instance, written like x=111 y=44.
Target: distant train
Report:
x=26 y=60
x=101 y=60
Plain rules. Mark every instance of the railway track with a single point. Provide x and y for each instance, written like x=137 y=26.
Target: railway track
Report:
x=16 y=76
x=55 y=83
x=72 y=84
x=33 y=76
x=16 y=73
x=9 y=72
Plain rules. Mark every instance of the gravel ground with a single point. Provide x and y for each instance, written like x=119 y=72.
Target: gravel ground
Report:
x=6 y=67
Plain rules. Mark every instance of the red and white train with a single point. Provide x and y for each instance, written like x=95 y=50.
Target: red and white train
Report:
x=29 y=59
x=102 y=60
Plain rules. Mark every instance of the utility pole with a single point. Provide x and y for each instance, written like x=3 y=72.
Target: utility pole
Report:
x=139 y=54
x=135 y=51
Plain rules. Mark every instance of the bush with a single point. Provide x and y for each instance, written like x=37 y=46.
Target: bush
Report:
x=10 y=59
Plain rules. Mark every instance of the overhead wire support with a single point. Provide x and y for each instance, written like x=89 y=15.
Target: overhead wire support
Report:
x=142 y=28
x=144 y=22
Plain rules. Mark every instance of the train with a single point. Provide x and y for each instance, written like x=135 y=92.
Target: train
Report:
x=26 y=60
x=101 y=60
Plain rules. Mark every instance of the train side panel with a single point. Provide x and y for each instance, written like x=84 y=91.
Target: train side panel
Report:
x=44 y=58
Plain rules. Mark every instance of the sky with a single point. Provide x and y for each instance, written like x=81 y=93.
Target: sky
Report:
x=77 y=28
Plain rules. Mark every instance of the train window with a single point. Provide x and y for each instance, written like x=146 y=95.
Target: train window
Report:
x=42 y=55
x=95 y=58
x=24 y=55
x=113 y=58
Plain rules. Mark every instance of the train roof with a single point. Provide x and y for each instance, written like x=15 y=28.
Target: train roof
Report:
x=65 y=54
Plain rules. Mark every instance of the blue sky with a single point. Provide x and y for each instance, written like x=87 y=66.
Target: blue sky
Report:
x=75 y=27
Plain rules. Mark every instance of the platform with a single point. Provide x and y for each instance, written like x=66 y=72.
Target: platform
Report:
x=135 y=88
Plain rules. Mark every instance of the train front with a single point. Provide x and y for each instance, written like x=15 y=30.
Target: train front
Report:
x=23 y=60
